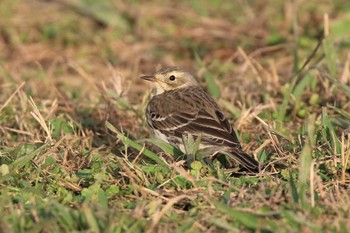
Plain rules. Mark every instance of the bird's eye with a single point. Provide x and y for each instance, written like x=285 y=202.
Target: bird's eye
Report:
x=172 y=78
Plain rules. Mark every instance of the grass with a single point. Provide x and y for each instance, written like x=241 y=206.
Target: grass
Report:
x=75 y=151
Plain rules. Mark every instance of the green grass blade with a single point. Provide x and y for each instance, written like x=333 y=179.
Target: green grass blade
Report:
x=331 y=56
x=306 y=153
x=293 y=189
x=328 y=131
x=282 y=110
x=300 y=87
x=91 y=219
x=209 y=78
x=295 y=221
x=26 y=158
x=247 y=219
x=127 y=141
x=212 y=87
x=343 y=87
x=222 y=223
x=341 y=112
x=166 y=147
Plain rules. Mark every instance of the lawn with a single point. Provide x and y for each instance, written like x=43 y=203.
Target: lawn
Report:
x=76 y=154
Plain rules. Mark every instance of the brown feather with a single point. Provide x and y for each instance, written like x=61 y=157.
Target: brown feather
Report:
x=192 y=111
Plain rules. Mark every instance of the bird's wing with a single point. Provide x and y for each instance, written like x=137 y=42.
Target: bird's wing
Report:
x=175 y=117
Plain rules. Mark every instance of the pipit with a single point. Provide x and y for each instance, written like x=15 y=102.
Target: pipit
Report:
x=179 y=108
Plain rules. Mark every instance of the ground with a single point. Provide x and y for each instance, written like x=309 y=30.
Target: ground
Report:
x=76 y=154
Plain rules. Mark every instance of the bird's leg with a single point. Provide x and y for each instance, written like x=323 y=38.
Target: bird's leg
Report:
x=191 y=146
x=223 y=160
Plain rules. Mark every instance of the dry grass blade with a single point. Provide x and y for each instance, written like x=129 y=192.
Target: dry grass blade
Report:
x=84 y=74
x=17 y=131
x=11 y=97
x=40 y=119
x=271 y=131
x=183 y=173
x=50 y=151
x=335 y=81
x=345 y=155
x=248 y=60
x=159 y=214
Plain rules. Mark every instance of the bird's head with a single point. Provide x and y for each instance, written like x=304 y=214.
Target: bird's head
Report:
x=170 y=78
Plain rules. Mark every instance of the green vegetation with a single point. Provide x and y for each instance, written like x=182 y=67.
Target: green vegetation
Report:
x=75 y=151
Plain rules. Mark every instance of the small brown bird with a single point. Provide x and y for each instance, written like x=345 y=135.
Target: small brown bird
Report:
x=180 y=108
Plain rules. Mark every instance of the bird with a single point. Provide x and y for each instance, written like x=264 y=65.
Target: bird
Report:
x=180 y=108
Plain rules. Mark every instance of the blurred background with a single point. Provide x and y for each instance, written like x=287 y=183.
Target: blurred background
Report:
x=85 y=53
x=44 y=37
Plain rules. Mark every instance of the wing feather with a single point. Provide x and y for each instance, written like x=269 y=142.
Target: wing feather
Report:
x=177 y=113
x=205 y=120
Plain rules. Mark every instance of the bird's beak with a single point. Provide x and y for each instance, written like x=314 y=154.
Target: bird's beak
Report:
x=151 y=78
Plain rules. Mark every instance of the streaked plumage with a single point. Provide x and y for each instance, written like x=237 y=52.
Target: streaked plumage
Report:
x=180 y=107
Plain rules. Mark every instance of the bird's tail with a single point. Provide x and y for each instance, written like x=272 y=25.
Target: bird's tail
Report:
x=244 y=159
